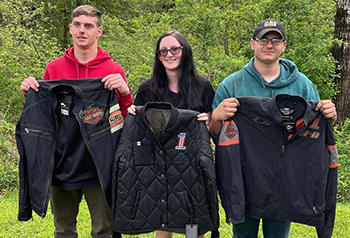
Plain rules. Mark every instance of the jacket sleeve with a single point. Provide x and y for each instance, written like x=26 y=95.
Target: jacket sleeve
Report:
x=331 y=189
x=229 y=173
x=117 y=155
x=207 y=163
x=25 y=210
x=124 y=102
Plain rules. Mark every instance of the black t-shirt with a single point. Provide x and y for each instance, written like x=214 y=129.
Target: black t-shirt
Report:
x=207 y=96
x=74 y=166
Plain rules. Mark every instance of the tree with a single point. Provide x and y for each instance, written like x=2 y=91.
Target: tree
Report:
x=35 y=32
x=341 y=53
x=25 y=49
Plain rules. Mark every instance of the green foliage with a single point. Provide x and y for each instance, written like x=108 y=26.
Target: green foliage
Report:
x=219 y=33
x=38 y=227
x=132 y=44
x=342 y=136
x=8 y=157
x=26 y=48
x=34 y=32
x=309 y=40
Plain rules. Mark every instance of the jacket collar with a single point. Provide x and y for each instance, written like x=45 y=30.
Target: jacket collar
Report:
x=305 y=108
x=159 y=105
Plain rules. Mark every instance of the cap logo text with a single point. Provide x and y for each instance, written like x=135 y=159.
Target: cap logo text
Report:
x=270 y=23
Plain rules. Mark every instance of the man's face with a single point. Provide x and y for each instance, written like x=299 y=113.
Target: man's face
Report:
x=85 y=31
x=269 y=53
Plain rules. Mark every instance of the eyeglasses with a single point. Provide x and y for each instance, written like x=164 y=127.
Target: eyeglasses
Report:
x=174 y=50
x=265 y=41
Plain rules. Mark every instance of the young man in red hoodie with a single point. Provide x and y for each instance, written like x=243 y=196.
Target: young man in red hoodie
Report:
x=84 y=60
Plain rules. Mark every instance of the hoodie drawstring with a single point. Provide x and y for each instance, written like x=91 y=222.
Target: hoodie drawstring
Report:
x=77 y=67
x=262 y=81
x=86 y=69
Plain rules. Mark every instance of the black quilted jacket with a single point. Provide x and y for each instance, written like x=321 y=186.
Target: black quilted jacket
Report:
x=164 y=174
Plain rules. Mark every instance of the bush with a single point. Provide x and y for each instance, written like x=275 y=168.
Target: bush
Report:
x=342 y=137
x=8 y=157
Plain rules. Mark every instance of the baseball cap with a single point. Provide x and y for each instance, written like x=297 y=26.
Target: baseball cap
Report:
x=269 y=25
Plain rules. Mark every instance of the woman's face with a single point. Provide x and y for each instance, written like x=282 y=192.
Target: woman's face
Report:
x=170 y=52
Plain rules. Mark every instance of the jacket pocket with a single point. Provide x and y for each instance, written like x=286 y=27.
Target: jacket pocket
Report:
x=190 y=205
x=143 y=153
x=318 y=202
x=36 y=132
x=102 y=132
x=181 y=208
x=128 y=201
x=136 y=203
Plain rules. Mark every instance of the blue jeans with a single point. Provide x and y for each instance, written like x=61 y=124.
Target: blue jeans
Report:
x=271 y=228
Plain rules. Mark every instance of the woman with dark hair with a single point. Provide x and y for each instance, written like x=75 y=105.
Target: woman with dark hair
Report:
x=176 y=81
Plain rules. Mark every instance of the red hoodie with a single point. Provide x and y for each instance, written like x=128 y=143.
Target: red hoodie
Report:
x=68 y=67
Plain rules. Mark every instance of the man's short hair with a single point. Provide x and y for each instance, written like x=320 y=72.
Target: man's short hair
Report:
x=88 y=10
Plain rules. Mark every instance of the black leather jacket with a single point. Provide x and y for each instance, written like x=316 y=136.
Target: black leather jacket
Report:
x=97 y=112
x=164 y=173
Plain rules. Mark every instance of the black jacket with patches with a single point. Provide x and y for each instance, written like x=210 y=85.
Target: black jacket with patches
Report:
x=93 y=108
x=164 y=173
x=276 y=158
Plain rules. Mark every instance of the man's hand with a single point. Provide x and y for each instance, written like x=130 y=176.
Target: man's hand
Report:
x=227 y=108
x=328 y=109
x=27 y=83
x=116 y=81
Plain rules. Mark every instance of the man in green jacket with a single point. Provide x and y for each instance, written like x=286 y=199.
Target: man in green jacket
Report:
x=266 y=75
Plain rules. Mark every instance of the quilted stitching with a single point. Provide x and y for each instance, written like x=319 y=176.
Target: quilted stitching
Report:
x=170 y=187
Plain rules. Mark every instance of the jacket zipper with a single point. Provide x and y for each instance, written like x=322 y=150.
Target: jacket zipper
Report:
x=27 y=130
x=276 y=186
x=315 y=199
x=96 y=133
x=49 y=178
x=48 y=185
x=283 y=149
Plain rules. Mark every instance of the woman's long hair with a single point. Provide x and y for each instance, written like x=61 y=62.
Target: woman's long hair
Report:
x=191 y=85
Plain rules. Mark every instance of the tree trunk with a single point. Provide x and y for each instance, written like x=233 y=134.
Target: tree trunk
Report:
x=341 y=53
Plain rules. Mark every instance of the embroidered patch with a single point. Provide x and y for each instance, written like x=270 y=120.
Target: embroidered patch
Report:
x=229 y=134
x=262 y=121
x=315 y=123
x=181 y=143
x=116 y=119
x=289 y=127
x=311 y=134
x=286 y=111
x=92 y=115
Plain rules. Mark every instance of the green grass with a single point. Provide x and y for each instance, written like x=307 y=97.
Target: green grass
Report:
x=38 y=227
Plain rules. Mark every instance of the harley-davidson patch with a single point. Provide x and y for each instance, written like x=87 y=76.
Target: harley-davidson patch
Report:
x=229 y=134
x=92 y=115
x=116 y=119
